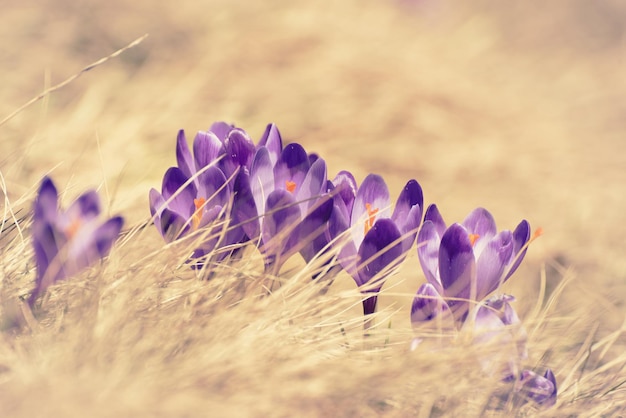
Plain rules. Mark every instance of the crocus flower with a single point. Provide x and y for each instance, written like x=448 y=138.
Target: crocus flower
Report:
x=281 y=203
x=68 y=241
x=495 y=321
x=376 y=239
x=466 y=262
x=198 y=192
x=539 y=389
x=343 y=191
x=223 y=145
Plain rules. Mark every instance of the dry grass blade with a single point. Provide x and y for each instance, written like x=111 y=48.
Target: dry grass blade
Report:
x=72 y=78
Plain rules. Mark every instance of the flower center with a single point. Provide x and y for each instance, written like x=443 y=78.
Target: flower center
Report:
x=371 y=217
x=473 y=238
x=197 y=215
x=73 y=228
x=290 y=186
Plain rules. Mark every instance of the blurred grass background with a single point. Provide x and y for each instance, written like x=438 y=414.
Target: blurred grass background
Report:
x=514 y=106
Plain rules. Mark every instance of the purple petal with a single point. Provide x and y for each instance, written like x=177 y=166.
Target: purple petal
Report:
x=84 y=246
x=338 y=225
x=539 y=389
x=481 y=223
x=433 y=215
x=157 y=203
x=552 y=379
x=261 y=178
x=345 y=184
x=221 y=130
x=212 y=187
x=311 y=232
x=427 y=304
x=487 y=324
x=409 y=228
x=282 y=216
x=239 y=152
x=245 y=212
x=86 y=207
x=46 y=205
x=492 y=263
x=106 y=235
x=45 y=246
x=502 y=304
x=272 y=140
x=206 y=149
x=235 y=234
x=312 y=186
x=509 y=316
x=410 y=196
x=373 y=192
x=316 y=246
x=173 y=185
x=428 y=242
x=89 y=204
x=521 y=235
x=292 y=165
x=46 y=250
x=408 y=213
x=457 y=269
x=183 y=155
x=173 y=225
x=209 y=217
x=380 y=250
x=212 y=214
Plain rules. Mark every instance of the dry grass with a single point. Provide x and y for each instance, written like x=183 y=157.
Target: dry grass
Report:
x=507 y=107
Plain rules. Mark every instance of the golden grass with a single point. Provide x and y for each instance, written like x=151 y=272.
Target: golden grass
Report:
x=505 y=107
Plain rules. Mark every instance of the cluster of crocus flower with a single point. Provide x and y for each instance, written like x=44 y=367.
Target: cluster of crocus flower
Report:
x=280 y=198
x=263 y=193
x=228 y=191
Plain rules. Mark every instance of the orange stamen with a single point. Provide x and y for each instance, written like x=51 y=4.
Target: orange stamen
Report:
x=371 y=217
x=73 y=228
x=290 y=186
x=197 y=215
x=538 y=232
x=473 y=238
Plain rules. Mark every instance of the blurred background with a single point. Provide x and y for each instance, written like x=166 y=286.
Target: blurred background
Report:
x=508 y=105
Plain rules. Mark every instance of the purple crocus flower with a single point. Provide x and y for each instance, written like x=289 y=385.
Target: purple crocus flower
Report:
x=282 y=202
x=198 y=192
x=495 y=321
x=222 y=145
x=466 y=262
x=343 y=191
x=375 y=239
x=68 y=241
x=539 y=389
